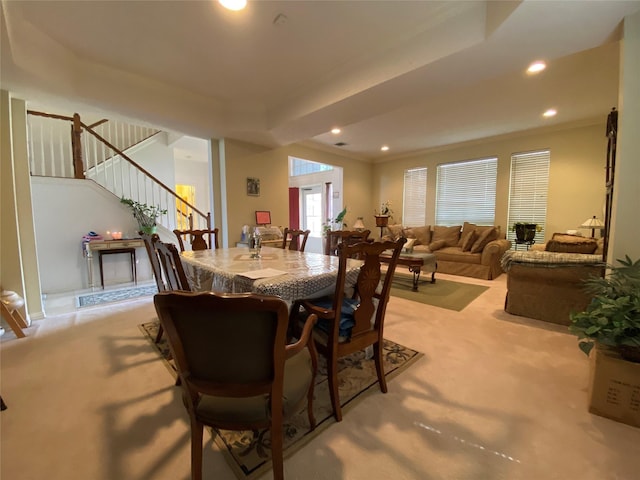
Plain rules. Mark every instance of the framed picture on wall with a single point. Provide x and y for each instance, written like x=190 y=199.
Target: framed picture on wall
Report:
x=253 y=186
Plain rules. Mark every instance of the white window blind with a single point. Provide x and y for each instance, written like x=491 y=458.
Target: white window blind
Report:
x=466 y=191
x=528 y=191
x=414 y=204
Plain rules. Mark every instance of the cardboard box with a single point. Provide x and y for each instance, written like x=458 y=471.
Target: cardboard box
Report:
x=614 y=390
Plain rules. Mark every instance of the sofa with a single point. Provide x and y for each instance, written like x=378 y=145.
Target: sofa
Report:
x=547 y=282
x=469 y=250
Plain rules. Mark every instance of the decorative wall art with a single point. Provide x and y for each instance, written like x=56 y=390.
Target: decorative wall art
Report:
x=253 y=186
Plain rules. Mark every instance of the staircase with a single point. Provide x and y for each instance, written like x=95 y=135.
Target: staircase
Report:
x=65 y=147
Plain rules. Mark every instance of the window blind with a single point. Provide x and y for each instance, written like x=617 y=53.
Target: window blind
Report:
x=466 y=191
x=528 y=191
x=414 y=204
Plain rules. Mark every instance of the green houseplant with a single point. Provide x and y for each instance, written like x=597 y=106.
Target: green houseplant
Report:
x=146 y=215
x=613 y=316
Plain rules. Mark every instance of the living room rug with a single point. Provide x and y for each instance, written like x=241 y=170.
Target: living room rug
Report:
x=249 y=454
x=443 y=293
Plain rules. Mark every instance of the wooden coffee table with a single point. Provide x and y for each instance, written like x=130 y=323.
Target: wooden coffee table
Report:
x=417 y=263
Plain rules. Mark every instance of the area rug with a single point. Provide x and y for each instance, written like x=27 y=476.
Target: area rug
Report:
x=115 y=295
x=443 y=293
x=249 y=454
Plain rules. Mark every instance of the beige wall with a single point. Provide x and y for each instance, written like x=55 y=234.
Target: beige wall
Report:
x=576 y=177
x=271 y=166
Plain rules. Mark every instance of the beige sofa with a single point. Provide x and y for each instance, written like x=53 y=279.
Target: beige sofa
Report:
x=469 y=250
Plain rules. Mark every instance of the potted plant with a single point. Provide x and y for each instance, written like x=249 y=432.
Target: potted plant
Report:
x=382 y=218
x=525 y=232
x=146 y=215
x=613 y=316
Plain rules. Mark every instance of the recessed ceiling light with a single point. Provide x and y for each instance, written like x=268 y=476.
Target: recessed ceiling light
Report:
x=384 y=148
x=536 y=67
x=234 y=5
x=550 y=113
x=335 y=131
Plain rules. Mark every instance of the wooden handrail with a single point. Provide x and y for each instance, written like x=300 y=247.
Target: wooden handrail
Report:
x=147 y=173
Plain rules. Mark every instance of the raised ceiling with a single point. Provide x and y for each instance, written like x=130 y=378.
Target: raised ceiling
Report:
x=410 y=74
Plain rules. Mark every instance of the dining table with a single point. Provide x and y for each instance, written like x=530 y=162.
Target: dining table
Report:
x=288 y=274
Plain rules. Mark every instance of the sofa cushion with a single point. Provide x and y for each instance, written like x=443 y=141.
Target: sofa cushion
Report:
x=468 y=239
x=562 y=242
x=450 y=235
x=456 y=255
x=395 y=231
x=437 y=245
x=466 y=228
x=421 y=234
x=484 y=237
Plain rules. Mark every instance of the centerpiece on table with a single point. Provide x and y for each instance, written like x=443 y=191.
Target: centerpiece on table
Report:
x=146 y=215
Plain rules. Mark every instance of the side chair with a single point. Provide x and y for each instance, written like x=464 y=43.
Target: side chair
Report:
x=336 y=237
x=298 y=239
x=347 y=324
x=150 y=242
x=266 y=383
x=197 y=238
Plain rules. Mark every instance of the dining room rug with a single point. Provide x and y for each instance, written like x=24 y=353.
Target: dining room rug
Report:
x=443 y=293
x=248 y=453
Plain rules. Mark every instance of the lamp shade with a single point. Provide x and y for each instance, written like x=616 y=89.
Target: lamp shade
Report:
x=593 y=222
x=359 y=224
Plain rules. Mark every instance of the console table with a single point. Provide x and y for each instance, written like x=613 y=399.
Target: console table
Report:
x=105 y=247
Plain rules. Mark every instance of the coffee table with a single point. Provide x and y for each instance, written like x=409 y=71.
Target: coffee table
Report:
x=417 y=263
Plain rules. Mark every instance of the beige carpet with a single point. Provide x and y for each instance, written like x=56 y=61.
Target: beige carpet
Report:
x=496 y=397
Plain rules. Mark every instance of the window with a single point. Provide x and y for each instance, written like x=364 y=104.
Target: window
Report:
x=414 y=204
x=298 y=166
x=466 y=191
x=528 y=191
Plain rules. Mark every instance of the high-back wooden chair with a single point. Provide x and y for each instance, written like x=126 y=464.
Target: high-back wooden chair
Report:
x=175 y=278
x=336 y=237
x=196 y=239
x=347 y=324
x=297 y=239
x=150 y=243
x=205 y=330
x=174 y=275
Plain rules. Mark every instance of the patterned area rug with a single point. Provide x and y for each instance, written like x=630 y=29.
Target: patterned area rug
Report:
x=249 y=453
x=115 y=295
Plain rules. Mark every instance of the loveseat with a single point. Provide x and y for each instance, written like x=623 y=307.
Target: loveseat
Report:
x=469 y=250
x=547 y=283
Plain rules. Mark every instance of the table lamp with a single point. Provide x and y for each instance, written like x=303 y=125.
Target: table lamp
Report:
x=593 y=223
x=359 y=225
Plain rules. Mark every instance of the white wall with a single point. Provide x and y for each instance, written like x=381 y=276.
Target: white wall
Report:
x=65 y=210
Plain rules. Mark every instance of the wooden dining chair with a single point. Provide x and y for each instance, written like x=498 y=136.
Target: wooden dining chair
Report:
x=266 y=382
x=336 y=237
x=347 y=324
x=196 y=239
x=150 y=243
x=174 y=275
x=297 y=239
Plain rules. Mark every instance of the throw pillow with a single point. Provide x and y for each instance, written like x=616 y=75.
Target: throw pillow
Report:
x=484 y=238
x=565 y=243
x=450 y=235
x=437 y=245
x=421 y=234
x=466 y=228
x=395 y=231
x=468 y=240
